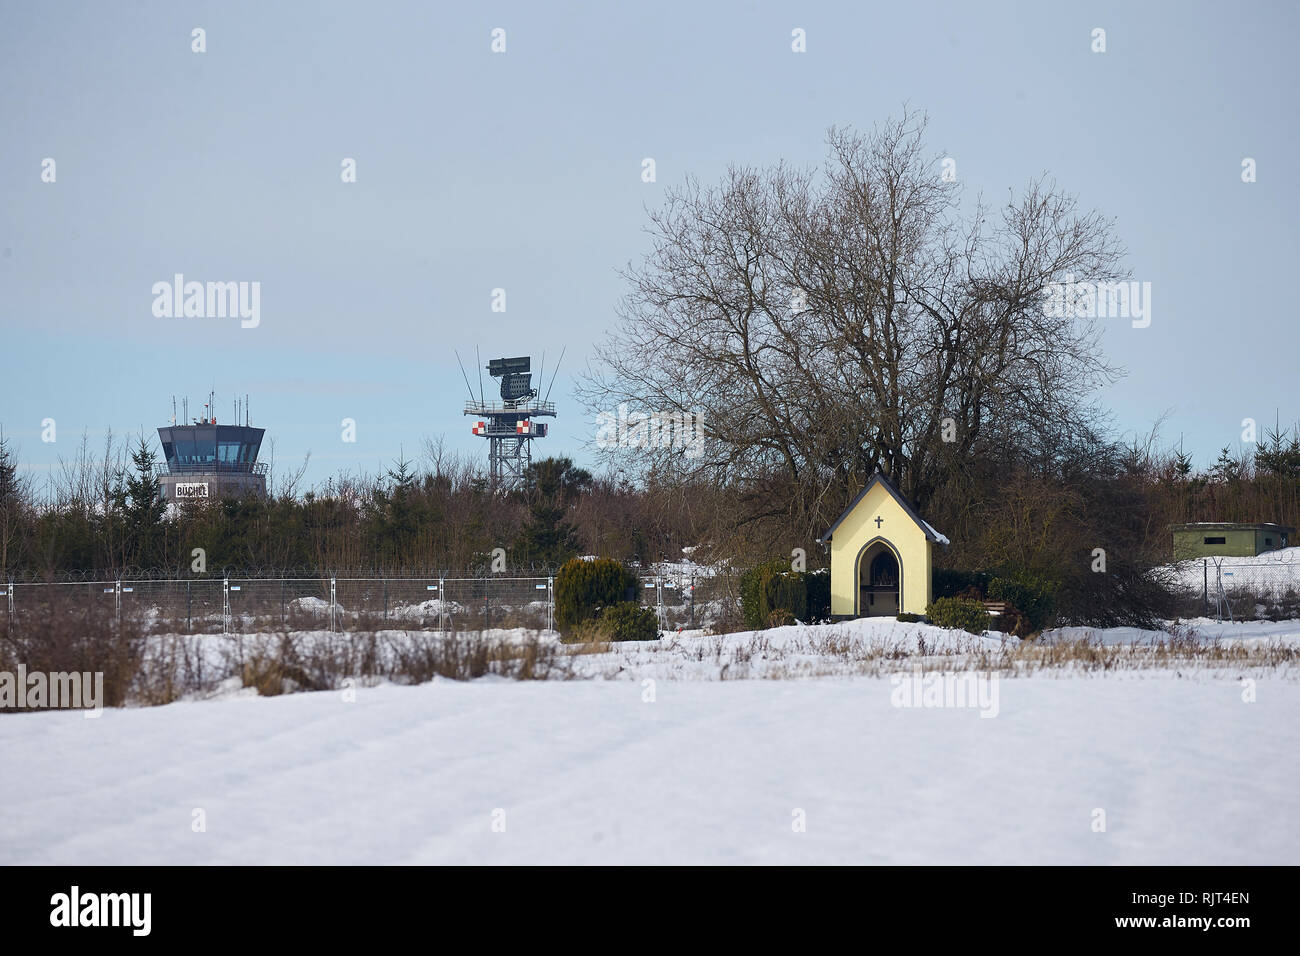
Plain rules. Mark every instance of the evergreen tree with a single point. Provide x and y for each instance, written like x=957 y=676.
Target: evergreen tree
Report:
x=12 y=499
x=10 y=485
x=1227 y=468
x=396 y=514
x=549 y=487
x=1278 y=457
x=142 y=506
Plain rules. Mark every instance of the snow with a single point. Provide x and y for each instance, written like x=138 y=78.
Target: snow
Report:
x=1202 y=629
x=709 y=773
x=659 y=756
x=312 y=605
x=1280 y=567
x=941 y=538
x=432 y=608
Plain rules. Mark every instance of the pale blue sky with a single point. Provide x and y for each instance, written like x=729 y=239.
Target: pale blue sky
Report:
x=522 y=171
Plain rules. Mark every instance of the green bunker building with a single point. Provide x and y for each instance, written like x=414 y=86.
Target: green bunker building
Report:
x=1228 y=539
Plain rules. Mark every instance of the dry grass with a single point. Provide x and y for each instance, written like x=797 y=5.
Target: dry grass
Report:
x=60 y=638
x=143 y=669
x=815 y=653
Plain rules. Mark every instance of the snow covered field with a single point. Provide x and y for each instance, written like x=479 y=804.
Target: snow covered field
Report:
x=688 y=768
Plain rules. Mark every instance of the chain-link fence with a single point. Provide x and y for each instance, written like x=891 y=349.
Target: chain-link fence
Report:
x=205 y=605
x=325 y=602
x=684 y=601
x=1243 y=589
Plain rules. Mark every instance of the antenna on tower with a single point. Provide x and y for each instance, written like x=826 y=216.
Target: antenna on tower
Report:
x=479 y=362
x=557 y=372
x=464 y=376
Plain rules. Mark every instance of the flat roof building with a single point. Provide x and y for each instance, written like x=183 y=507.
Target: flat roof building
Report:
x=1228 y=539
x=207 y=460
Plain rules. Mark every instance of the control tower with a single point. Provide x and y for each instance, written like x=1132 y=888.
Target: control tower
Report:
x=208 y=460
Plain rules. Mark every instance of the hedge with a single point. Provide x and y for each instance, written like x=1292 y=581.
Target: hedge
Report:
x=584 y=588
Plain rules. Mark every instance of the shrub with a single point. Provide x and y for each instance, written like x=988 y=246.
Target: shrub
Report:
x=785 y=591
x=963 y=613
x=754 y=604
x=1129 y=594
x=910 y=618
x=772 y=586
x=1033 y=595
x=819 y=594
x=628 y=621
x=584 y=588
x=779 y=617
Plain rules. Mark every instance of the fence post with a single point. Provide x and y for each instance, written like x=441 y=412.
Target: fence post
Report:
x=117 y=601
x=1205 y=585
x=442 y=604
x=225 y=604
x=659 y=601
x=11 y=599
x=692 y=600
x=333 y=602
x=550 y=603
x=385 y=599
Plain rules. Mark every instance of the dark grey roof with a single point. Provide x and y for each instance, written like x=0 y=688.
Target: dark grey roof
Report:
x=1231 y=526
x=880 y=479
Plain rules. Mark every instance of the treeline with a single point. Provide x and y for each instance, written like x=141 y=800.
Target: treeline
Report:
x=1114 y=502
x=102 y=513
x=1046 y=511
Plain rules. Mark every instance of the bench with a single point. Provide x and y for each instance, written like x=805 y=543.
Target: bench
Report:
x=995 y=608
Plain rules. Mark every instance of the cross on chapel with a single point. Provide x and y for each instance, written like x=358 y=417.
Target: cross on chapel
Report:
x=879 y=520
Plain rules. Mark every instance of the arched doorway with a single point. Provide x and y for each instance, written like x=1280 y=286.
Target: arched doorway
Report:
x=879 y=580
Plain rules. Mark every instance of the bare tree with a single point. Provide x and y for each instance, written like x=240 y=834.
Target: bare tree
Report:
x=829 y=324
